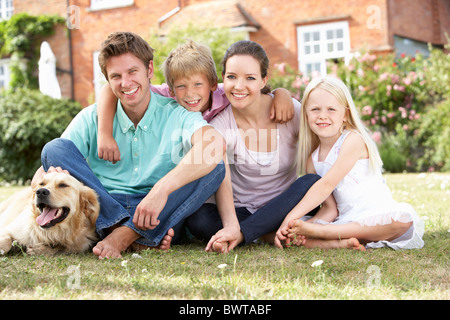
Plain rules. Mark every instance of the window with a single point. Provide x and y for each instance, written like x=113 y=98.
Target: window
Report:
x=110 y=4
x=99 y=78
x=410 y=47
x=4 y=74
x=321 y=42
x=6 y=9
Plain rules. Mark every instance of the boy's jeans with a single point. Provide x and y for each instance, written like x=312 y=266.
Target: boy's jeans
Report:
x=206 y=221
x=119 y=208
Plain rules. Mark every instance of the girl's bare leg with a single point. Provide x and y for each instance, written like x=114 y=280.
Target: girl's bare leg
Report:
x=346 y=231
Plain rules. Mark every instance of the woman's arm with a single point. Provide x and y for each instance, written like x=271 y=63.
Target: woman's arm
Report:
x=231 y=231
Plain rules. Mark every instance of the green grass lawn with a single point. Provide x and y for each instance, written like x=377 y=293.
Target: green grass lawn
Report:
x=253 y=272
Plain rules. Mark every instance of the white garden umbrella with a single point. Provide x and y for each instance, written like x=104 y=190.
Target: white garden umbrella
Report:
x=48 y=83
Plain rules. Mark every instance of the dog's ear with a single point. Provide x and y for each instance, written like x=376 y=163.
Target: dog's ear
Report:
x=90 y=205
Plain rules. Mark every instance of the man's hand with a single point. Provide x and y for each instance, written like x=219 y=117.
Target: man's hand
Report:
x=55 y=169
x=147 y=212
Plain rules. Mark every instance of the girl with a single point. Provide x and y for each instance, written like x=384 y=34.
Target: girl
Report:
x=335 y=145
x=261 y=156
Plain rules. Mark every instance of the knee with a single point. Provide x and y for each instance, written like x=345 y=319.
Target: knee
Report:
x=220 y=168
x=311 y=178
x=400 y=228
x=305 y=182
x=55 y=147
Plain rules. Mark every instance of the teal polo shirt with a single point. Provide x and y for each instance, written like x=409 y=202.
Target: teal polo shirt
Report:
x=148 y=152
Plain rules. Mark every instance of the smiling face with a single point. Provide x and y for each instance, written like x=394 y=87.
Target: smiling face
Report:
x=325 y=114
x=194 y=92
x=242 y=80
x=129 y=79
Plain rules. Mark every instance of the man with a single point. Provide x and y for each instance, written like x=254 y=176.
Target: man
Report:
x=171 y=158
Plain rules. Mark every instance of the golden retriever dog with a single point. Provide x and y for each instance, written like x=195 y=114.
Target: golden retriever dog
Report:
x=58 y=216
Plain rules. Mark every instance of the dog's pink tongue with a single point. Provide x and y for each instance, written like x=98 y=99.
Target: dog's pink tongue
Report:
x=47 y=215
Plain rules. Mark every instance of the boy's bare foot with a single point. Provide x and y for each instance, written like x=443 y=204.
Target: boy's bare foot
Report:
x=163 y=245
x=115 y=243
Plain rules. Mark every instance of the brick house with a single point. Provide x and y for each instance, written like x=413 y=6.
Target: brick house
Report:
x=303 y=33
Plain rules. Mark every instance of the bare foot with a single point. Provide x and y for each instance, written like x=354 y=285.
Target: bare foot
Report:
x=163 y=245
x=220 y=247
x=354 y=244
x=351 y=243
x=115 y=243
x=299 y=228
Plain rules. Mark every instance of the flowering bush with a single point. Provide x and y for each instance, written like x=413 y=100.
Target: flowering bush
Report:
x=393 y=96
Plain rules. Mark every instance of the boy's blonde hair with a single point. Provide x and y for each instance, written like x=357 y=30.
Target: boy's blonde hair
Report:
x=308 y=141
x=188 y=59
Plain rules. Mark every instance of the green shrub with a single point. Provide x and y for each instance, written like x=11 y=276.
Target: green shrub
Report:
x=29 y=119
x=20 y=38
x=434 y=136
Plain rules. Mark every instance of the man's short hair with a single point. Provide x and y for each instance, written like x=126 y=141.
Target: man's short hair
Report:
x=119 y=43
x=188 y=59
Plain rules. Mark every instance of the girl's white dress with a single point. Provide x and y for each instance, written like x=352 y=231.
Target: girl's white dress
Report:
x=363 y=197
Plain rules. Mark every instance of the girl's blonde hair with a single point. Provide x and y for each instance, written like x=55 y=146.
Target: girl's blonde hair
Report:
x=308 y=141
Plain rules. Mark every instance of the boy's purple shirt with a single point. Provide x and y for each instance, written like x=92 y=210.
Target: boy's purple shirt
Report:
x=218 y=97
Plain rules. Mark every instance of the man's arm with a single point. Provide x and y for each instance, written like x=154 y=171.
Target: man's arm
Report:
x=208 y=148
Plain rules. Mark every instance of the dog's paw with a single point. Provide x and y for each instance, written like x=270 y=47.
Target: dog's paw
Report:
x=5 y=244
x=41 y=249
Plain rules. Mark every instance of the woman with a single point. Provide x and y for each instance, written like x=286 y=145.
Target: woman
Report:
x=261 y=157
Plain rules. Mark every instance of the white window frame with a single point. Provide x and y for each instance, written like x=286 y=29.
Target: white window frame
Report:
x=6 y=9
x=318 y=43
x=109 y=4
x=5 y=74
x=99 y=78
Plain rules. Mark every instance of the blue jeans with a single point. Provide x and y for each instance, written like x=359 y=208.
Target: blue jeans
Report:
x=118 y=209
x=204 y=223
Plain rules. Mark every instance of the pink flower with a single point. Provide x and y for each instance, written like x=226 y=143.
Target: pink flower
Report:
x=376 y=136
x=281 y=68
x=405 y=127
x=297 y=84
x=407 y=81
x=383 y=76
x=305 y=80
x=367 y=110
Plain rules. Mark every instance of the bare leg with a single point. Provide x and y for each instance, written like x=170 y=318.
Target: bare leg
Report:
x=346 y=231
